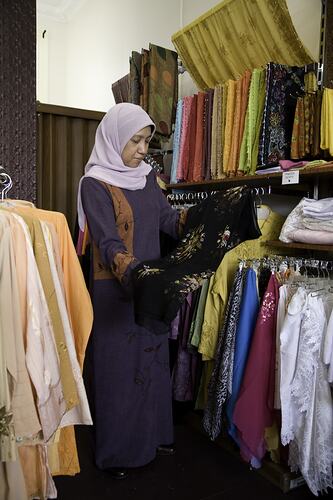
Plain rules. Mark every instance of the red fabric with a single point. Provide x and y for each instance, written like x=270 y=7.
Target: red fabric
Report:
x=254 y=409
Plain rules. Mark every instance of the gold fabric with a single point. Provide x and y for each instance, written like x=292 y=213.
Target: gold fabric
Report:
x=326 y=126
x=125 y=227
x=237 y=35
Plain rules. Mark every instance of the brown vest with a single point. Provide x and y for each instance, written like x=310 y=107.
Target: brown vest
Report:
x=125 y=226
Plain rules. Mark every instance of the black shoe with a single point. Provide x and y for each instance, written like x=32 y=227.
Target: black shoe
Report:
x=165 y=449
x=117 y=472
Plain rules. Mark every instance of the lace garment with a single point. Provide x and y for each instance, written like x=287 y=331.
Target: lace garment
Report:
x=311 y=406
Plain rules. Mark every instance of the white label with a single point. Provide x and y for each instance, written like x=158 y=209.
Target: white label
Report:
x=291 y=177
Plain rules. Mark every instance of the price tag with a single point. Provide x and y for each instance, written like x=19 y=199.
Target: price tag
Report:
x=291 y=177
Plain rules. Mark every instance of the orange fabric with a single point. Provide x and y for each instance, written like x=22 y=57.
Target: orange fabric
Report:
x=68 y=456
x=228 y=131
x=33 y=471
x=242 y=95
x=235 y=145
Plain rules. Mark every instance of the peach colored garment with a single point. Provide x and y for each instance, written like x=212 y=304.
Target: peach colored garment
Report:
x=40 y=252
x=81 y=316
x=35 y=467
x=242 y=92
x=77 y=296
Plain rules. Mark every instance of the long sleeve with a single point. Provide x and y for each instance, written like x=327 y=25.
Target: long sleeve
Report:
x=104 y=231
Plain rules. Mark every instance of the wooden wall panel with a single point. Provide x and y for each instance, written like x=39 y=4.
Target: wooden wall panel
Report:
x=65 y=139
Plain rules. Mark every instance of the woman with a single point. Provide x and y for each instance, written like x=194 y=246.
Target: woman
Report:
x=125 y=211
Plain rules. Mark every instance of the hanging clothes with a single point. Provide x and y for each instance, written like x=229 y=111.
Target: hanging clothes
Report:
x=41 y=273
x=219 y=382
x=257 y=387
x=221 y=282
x=306 y=400
x=243 y=337
x=212 y=228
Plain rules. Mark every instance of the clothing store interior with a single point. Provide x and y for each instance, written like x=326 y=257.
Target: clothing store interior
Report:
x=169 y=336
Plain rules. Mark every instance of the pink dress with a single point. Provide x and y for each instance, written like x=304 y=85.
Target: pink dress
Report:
x=254 y=408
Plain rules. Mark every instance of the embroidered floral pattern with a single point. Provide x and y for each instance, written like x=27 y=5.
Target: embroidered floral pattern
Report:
x=147 y=271
x=189 y=283
x=5 y=421
x=190 y=244
x=223 y=237
x=268 y=307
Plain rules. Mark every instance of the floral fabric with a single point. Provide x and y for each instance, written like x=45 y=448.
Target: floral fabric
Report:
x=212 y=228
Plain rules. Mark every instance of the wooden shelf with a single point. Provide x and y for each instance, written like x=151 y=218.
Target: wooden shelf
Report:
x=303 y=246
x=274 y=179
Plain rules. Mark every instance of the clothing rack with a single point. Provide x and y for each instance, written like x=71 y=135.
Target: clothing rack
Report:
x=306 y=266
x=197 y=196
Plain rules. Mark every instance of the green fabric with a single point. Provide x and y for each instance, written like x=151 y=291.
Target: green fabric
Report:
x=250 y=143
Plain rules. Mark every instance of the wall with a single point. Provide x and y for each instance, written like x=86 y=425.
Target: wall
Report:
x=17 y=95
x=81 y=56
x=91 y=50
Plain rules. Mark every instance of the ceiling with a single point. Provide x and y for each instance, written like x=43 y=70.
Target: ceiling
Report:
x=60 y=10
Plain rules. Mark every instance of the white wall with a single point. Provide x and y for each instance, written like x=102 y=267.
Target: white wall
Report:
x=79 y=59
x=51 y=60
x=91 y=51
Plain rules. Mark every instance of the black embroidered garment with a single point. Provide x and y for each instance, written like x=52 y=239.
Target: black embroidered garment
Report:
x=213 y=227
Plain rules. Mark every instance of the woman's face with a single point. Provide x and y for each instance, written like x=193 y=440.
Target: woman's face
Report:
x=136 y=148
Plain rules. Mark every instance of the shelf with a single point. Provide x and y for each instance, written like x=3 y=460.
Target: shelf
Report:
x=303 y=246
x=274 y=179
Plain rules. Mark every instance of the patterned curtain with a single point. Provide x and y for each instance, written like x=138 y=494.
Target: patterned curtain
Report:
x=237 y=35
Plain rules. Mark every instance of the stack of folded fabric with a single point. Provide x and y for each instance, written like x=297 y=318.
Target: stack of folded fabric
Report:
x=311 y=221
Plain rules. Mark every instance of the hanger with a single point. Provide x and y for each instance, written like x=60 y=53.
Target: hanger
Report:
x=6 y=183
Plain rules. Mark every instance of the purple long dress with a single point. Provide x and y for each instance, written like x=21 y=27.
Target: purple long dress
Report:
x=132 y=389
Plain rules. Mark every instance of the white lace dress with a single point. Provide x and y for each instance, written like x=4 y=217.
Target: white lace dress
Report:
x=306 y=402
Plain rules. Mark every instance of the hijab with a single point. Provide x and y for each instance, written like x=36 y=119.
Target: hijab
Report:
x=119 y=124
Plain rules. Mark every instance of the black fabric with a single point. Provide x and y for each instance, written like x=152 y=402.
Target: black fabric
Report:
x=213 y=227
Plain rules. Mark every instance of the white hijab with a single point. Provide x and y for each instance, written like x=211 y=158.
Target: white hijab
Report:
x=119 y=124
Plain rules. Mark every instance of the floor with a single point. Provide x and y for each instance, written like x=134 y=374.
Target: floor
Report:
x=200 y=470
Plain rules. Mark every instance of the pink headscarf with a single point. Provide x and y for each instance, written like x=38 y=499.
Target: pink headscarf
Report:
x=119 y=124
